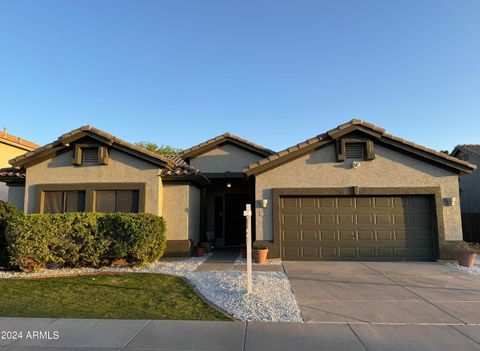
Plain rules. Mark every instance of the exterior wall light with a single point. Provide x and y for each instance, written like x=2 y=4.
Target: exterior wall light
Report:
x=449 y=201
x=229 y=185
x=264 y=203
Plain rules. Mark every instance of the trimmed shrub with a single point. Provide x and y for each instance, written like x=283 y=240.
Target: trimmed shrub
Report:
x=7 y=213
x=84 y=239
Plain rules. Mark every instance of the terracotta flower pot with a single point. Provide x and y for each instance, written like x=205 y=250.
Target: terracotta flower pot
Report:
x=199 y=251
x=466 y=259
x=260 y=256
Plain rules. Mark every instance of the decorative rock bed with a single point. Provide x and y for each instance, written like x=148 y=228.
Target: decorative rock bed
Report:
x=272 y=298
x=473 y=270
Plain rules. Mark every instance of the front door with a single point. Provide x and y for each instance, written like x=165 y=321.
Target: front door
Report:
x=234 y=220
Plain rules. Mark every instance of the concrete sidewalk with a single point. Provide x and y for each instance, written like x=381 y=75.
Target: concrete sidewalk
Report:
x=89 y=334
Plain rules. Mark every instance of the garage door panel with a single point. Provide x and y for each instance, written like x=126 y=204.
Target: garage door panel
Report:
x=309 y=235
x=365 y=218
x=326 y=235
x=308 y=202
x=367 y=235
x=383 y=218
x=328 y=218
x=308 y=219
x=345 y=202
x=371 y=228
x=346 y=218
x=310 y=252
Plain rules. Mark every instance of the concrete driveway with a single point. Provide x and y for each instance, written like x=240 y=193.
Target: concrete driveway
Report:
x=385 y=293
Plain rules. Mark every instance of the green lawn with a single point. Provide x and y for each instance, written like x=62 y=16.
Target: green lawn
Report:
x=120 y=296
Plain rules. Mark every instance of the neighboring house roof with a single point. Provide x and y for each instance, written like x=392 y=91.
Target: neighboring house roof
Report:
x=17 y=141
x=365 y=127
x=222 y=139
x=12 y=175
x=471 y=148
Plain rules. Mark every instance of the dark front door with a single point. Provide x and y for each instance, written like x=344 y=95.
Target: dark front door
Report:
x=234 y=219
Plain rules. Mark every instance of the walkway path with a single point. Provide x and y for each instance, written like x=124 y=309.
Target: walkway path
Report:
x=225 y=260
x=89 y=334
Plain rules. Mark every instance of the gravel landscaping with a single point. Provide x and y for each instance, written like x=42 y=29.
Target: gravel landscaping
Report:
x=473 y=270
x=272 y=299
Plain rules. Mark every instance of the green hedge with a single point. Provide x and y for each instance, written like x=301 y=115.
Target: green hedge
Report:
x=84 y=239
x=7 y=213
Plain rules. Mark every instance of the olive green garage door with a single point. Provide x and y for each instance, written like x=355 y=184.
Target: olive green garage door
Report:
x=357 y=228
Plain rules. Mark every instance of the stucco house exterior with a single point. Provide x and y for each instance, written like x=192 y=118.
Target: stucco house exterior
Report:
x=11 y=146
x=470 y=192
x=352 y=193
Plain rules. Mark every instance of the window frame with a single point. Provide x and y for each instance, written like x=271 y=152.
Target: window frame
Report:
x=64 y=199
x=89 y=189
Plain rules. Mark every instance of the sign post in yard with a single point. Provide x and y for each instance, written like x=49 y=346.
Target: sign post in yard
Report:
x=248 y=217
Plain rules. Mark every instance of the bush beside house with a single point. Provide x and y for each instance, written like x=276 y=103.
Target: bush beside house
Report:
x=84 y=239
x=7 y=213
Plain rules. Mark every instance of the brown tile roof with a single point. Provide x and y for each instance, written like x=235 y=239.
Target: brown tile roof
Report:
x=21 y=143
x=474 y=148
x=345 y=128
x=171 y=165
x=12 y=174
x=207 y=145
x=64 y=139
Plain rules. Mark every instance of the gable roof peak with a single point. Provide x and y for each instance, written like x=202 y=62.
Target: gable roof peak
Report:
x=88 y=130
x=376 y=132
x=210 y=144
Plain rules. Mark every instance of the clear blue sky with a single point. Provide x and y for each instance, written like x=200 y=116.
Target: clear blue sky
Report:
x=275 y=72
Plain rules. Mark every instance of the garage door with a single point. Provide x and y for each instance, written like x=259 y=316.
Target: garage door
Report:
x=357 y=228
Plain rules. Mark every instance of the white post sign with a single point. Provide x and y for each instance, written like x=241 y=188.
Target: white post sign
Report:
x=248 y=217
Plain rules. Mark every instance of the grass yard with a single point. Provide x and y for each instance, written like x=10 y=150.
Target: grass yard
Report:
x=118 y=296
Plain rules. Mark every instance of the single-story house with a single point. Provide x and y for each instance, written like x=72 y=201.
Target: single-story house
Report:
x=470 y=192
x=352 y=193
x=11 y=146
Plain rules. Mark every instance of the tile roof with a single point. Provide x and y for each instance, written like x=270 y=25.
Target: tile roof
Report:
x=194 y=150
x=180 y=167
x=475 y=148
x=331 y=134
x=11 y=173
x=22 y=143
x=63 y=140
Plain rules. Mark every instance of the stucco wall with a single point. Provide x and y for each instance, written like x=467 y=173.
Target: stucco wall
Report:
x=181 y=210
x=388 y=169
x=16 y=195
x=7 y=152
x=225 y=158
x=470 y=187
x=122 y=168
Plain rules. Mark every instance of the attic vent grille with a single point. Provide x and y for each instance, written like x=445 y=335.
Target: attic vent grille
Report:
x=90 y=156
x=355 y=150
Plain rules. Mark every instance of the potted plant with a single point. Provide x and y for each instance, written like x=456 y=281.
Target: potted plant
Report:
x=467 y=256
x=199 y=251
x=260 y=253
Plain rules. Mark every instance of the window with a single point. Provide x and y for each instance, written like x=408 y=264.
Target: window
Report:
x=355 y=151
x=117 y=201
x=64 y=201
